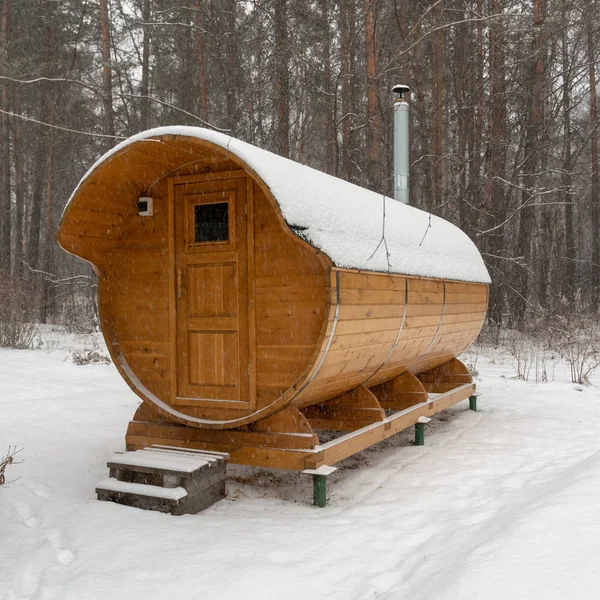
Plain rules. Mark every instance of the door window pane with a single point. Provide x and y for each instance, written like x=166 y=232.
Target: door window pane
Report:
x=211 y=222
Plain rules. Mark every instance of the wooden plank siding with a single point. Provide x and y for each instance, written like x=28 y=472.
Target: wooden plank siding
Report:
x=377 y=338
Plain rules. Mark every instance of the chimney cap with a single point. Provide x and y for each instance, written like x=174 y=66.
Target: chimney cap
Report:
x=400 y=89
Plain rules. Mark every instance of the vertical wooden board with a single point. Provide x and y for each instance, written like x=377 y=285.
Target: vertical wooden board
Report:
x=135 y=286
x=213 y=358
x=172 y=291
x=251 y=291
x=211 y=290
x=291 y=303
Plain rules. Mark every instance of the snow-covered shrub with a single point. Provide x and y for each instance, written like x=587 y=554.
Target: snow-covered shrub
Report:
x=576 y=338
x=79 y=311
x=579 y=345
x=520 y=348
x=17 y=329
x=90 y=357
x=470 y=357
x=531 y=352
x=581 y=349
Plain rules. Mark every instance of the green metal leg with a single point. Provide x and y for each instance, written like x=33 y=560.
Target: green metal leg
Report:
x=320 y=490
x=419 y=434
x=473 y=403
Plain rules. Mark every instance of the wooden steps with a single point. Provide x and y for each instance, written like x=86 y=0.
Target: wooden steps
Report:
x=165 y=479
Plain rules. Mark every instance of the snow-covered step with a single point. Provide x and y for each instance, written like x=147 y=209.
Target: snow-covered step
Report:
x=165 y=479
x=114 y=485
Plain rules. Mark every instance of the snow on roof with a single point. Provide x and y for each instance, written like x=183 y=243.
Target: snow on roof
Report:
x=344 y=221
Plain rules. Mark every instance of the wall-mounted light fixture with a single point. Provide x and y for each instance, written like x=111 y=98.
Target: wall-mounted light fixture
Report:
x=145 y=206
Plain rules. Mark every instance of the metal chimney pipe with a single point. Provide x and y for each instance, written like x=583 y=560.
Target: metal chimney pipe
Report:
x=401 y=144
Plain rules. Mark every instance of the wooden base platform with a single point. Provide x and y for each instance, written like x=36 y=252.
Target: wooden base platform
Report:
x=287 y=439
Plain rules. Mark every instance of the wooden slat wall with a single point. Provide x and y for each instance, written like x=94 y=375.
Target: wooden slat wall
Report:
x=370 y=316
x=134 y=299
x=131 y=253
x=291 y=303
x=464 y=312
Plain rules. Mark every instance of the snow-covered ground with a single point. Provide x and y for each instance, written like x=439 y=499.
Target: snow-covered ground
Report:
x=503 y=503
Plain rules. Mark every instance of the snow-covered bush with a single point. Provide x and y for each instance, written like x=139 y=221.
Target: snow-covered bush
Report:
x=532 y=352
x=579 y=344
x=576 y=338
x=470 y=357
x=79 y=312
x=17 y=329
x=90 y=357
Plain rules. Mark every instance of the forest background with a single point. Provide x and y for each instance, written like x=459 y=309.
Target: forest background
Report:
x=504 y=139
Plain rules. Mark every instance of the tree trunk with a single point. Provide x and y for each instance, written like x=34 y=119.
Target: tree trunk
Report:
x=419 y=132
x=346 y=27
x=20 y=187
x=476 y=154
x=569 y=268
x=109 y=124
x=464 y=128
x=202 y=93
x=37 y=194
x=235 y=81
x=282 y=85
x=5 y=188
x=145 y=105
x=47 y=241
x=594 y=192
x=40 y=157
x=495 y=196
x=529 y=178
x=373 y=110
x=329 y=112
x=437 y=107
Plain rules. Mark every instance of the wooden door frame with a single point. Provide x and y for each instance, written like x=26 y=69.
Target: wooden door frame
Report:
x=250 y=403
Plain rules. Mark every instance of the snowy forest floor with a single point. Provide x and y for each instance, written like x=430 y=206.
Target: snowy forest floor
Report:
x=500 y=503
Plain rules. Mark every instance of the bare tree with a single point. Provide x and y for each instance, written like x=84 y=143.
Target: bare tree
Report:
x=529 y=177
x=494 y=193
x=595 y=189
x=202 y=86
x=5 y=158
x=282 y=84
x=109 y=123
x=373 y=110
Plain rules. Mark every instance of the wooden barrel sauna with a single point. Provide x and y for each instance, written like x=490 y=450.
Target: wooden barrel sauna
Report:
x=258 y=283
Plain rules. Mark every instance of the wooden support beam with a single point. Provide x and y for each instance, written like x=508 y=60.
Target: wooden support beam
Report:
x=445 y=377
x=351 y=443
x=286 y=430
x=348 y=412
x=286 y=440
x=401 y=392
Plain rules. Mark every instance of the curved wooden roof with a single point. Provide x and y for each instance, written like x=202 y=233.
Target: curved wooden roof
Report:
x=354 y=227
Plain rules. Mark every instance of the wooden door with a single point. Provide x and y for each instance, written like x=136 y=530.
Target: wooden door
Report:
x=211 y=292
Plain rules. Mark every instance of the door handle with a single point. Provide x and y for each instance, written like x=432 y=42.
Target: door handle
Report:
x=179 y=282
